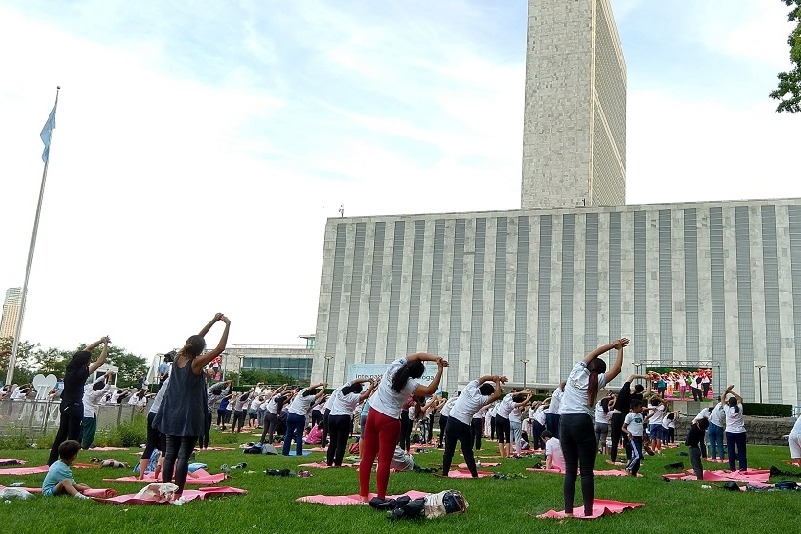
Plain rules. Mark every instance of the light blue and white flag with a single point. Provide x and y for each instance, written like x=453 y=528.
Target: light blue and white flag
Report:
x=47 y=132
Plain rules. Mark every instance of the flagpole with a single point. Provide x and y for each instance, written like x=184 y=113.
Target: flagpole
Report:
x=24 y=297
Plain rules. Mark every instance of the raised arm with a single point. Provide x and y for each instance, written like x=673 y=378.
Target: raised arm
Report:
x=425 y=391
x=612 y=373
x=498 y=379
x=103 y=353
x=201 y=361
x=603 y=349
x=205 y=329
x=369 y=391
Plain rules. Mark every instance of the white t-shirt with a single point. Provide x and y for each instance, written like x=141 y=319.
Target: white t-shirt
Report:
x=506 y=406
x=797 y=426
x=328 y=402
x=515 y=416
x=255 y=404
x=556 y=400
x=344 y=404
x=446 y=409
x=734 y=419
x=575 y=398
x=635 y=423
x=703 y=414
x=554 y=449
x=469 y=403
x=600 y=415
x=657 y=414
x=300 y=405
x=668 y=423
x=718 y=416
x=388 y=401
x=539 y=415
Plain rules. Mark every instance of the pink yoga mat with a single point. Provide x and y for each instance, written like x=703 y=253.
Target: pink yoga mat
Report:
x=39 y=469
x=461 y=473
x=188 y=495
x=318 y=449
x=323 y=465
x=538 y=470
x=24 y=470
x=92 y=492
x=344 y=500
x=203 y=478
x=483 y=464
x=597 y=472
x=600 y=508
x=751 y=475
x=104 y=449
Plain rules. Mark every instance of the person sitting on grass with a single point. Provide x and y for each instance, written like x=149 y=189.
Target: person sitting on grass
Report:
x=58 y=480
x=694 y=438
x=554 y=458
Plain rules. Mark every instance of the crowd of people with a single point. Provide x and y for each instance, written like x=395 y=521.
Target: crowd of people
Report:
x=577 y=421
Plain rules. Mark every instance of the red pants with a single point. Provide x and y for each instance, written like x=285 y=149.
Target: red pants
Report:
x=380 y=436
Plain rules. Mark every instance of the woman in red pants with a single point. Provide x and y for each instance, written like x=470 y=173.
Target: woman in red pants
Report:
x=383 y=420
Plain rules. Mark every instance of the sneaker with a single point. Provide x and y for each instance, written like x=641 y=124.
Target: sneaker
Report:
x=82 y=497
x=179 y=501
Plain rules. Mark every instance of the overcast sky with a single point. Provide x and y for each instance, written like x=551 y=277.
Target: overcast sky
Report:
x=200 y=147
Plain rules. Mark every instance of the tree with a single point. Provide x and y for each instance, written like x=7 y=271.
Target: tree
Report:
x=23 y=371
x=131 y=366
x=789 y=90
x=251 y=377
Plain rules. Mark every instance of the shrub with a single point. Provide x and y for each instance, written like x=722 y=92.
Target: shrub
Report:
x=128 y=433
x=773 y=410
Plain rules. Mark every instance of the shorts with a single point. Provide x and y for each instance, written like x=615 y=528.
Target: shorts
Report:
x=795 y=446
x=655 y=431
x=49 y=491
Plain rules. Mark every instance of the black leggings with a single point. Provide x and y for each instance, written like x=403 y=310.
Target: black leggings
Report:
x=493 y=424
x=239 y=417
x=616 y=431
x=324 y=438
x=456 y=430
x=176 y=457
x=339 y=427
x=69 y=427
x=204 y=439
x=221 y=417
x=270 y=422
x=503 y=429
x=477 y=428
x=405 y=439
x=578 y=446
x=155 y=439
x=443 y=423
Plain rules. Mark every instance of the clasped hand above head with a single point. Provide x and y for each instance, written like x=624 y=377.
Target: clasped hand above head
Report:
x=622 y=342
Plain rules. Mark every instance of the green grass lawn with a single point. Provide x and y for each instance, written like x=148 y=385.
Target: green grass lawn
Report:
x=495 y=505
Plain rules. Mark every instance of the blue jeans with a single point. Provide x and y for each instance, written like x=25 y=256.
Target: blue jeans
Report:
x=294 y=429
x=716 y=441
x=735 y=441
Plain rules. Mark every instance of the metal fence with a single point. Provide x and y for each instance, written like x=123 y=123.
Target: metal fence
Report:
x=37 y=417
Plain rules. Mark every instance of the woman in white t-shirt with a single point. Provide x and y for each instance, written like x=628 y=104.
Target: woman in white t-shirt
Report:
x=576 y=432
x=340 y=419
x=602 y=417
x=296 y=416
x=735 y=428
x=382 y=429
x=795 y=443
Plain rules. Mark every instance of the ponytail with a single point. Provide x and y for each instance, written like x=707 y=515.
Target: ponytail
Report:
x=408 y=370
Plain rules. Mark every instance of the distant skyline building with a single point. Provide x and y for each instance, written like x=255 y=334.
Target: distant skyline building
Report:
x=11 y=307
x=574 y=134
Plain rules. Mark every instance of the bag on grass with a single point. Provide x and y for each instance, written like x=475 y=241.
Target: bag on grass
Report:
x=444 y=502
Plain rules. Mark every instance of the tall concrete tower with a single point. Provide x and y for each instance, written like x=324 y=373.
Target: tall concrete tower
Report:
x=574 y=141
x=11 y=306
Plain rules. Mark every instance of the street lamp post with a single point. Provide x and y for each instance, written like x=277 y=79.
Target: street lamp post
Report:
x=637 y=365
x=325 y=368
x=760 y=367
x=525 y=370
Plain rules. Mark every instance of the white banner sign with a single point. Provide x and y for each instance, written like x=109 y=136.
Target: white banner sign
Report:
x=374 y=370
